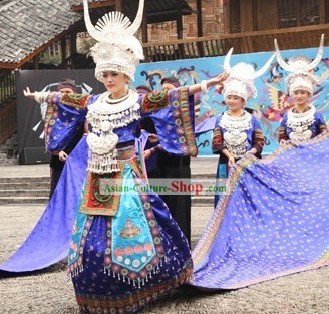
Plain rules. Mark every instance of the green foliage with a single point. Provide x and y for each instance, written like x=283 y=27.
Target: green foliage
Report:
x=49 y=59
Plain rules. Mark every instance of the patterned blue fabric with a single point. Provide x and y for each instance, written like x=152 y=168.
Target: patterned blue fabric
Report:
x=206 y=125
x=49 y=240
x=68 y=119
x=169 y=124
x=274 y=222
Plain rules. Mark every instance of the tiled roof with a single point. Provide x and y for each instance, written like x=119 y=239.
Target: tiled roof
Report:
x=26 y=25
x=79 y=2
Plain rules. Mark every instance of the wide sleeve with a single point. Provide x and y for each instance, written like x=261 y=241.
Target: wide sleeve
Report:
x=64 y=117
x=173 y=116
x=320 y=123
x=282 y=132
x=258 y=139
x=217 y=138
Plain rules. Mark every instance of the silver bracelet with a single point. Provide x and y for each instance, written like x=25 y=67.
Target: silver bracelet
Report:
x=40 y=97
x=204 y=87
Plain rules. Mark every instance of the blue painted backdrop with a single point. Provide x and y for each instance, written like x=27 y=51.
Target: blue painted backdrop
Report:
x=270 y=105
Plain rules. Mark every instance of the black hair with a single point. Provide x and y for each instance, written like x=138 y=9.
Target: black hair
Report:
x=170 y=80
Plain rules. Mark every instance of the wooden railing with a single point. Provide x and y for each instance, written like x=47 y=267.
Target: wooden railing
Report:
x=8 y=117
x=210 y=46
x=7 y=87
x=8 y=121
x=247 y=42
x=183 y=49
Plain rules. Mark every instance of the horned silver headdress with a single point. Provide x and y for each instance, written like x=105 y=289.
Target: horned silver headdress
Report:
x=241 y=79
x=117 y=49
x=301 y=76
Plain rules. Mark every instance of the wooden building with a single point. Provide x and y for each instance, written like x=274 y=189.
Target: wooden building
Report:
x=295 y=23
x=249 y=26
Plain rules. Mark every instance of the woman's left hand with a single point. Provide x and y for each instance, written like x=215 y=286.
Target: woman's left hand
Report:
x=147 y=153
x=218 y=80
x=62 y=156
x=231 y=161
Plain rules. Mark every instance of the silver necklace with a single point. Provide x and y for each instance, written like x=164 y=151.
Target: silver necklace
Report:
x=104 y=116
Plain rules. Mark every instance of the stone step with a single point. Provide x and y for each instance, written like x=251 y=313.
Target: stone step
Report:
x=24 y=190
x=24 y=186
x=205 y=175
x=23 y=193
x=25 y=180
x=202 y=201
x=43 y=199
x=35 y=190
x=12 y=200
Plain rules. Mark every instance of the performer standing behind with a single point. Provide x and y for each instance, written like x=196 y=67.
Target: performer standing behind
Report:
x=57 y=160
x=301 y=122
x=237 y=132
x=173 y=166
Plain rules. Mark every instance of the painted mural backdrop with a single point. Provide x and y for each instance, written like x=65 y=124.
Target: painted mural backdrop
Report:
x=270 y=105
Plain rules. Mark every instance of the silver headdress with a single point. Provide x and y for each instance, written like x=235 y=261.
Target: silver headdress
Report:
x=117 y=49
x=301 y=76
x=241 y=79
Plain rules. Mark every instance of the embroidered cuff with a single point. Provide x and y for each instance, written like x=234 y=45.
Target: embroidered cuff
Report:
x=40 y=97
x=204 y=87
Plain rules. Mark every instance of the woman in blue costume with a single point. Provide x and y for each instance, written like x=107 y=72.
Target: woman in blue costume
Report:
x=237 y=132
x=301 y=122
x=274 y=219
x=125 y=248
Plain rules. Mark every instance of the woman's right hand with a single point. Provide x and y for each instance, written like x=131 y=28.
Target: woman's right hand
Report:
x=27 y=93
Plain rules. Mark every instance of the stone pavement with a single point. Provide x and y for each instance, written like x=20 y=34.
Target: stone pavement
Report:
x=50 y=292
